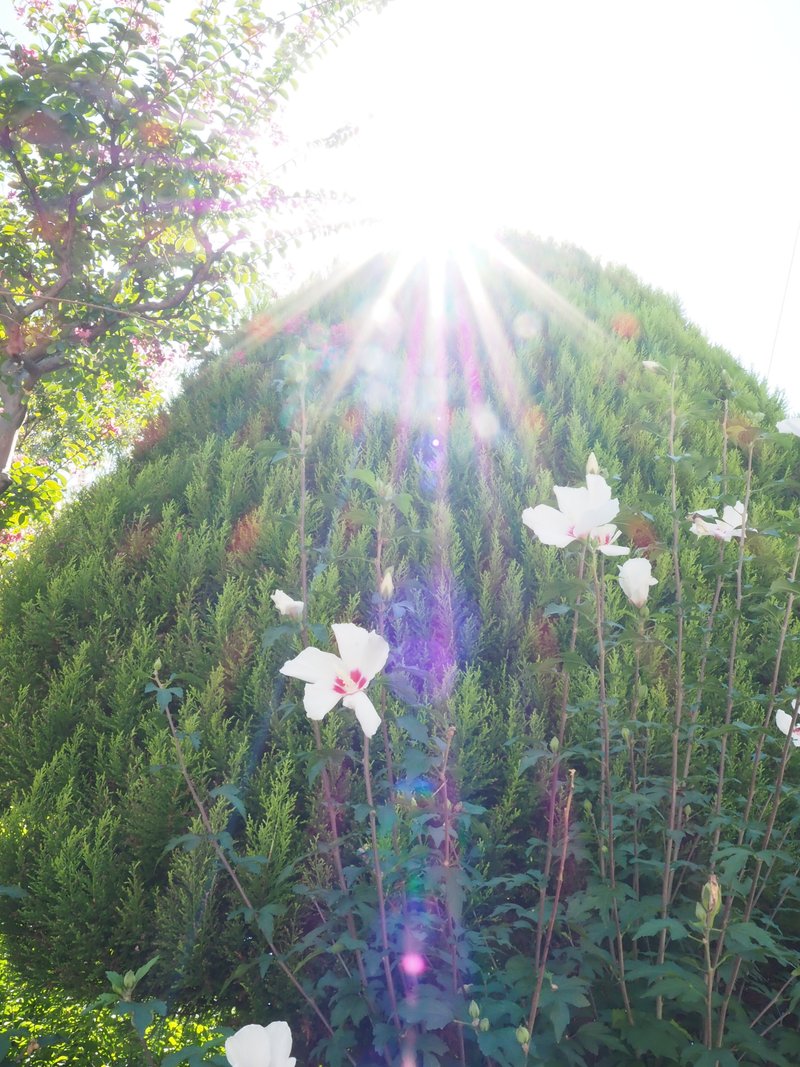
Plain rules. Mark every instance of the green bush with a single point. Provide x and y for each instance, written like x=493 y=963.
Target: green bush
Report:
x=432 y=425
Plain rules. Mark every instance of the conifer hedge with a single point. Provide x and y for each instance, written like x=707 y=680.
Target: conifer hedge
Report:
x=458 y=398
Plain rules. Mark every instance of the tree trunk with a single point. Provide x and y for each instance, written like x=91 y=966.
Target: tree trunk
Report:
x=13 y=409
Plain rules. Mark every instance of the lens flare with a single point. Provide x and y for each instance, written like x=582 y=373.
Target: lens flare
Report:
x=413 y=964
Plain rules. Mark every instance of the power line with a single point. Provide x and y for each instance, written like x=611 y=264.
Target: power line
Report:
x=783 y=301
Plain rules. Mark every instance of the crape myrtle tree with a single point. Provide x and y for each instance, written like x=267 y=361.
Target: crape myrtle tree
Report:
x=133 y=166
x=337 y=688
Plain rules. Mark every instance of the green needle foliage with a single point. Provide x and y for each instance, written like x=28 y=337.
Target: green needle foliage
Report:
x=575 y=841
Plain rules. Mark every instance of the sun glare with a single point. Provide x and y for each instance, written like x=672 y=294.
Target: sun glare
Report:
x=441 y=217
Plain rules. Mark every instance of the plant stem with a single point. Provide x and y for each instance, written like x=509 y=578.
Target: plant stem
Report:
x=632 y=758
x=773 y=691
x=701 y=674
x=387 y=965
x=710 y=971
x=201 y=809
x=302 y=515
x=330 y=807
x=450 y=861
x=606 y=792
x=731 y=688
x=537 y=992
x=553 y=788
x=777 y=796
x=666 y=882
x=387 y=748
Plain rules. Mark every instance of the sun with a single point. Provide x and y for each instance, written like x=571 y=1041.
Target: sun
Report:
x=436 y=211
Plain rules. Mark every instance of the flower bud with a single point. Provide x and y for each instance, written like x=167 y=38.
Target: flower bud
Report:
x=484 y=1025
x=523 y=1035
x=554 y=745
x=587 y=808
x=474 y=1010
x=711 y=898
x=386 y=589
x=626 y=735
x=592 y=466
x=292 y=609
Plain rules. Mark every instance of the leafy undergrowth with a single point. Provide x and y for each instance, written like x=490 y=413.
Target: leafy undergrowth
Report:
x=48 y=1026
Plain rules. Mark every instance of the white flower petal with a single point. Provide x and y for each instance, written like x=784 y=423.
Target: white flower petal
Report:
x=313 y=665
x=573 y=501
x=598 y=489
x=604 y=538
x=580 y=510
x=613 y=550
x=596 y=516
x=722 y=531
x=319 y=698
x=249 y=1047
x=733 y=516
x=361 y=649
x=635 y=579
x=700 y=527
x=365 y=711
x=293 y=609
x=279 y=1036
x=351 y=640
x=552 y=527
x=784 y=722
x=261 y=1046
x=789 y=426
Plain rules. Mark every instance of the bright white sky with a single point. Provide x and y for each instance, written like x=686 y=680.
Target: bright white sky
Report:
x=661 y=134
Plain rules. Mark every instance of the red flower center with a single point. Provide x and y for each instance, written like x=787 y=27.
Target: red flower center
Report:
x=345 y=687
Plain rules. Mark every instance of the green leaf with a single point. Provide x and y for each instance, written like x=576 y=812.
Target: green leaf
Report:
x=430 y=1006
x=188 y=842
x=415 y=729
x=652 y=927
x=232 y=795
x=365 y=476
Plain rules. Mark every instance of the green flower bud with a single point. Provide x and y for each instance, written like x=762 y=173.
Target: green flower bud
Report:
x=386 y=590
x=474 y=1010
x=484 y=1025
x=587 y=808
x=711 y=899
x=523 y=1035
x=626 y=735
x=554 y=745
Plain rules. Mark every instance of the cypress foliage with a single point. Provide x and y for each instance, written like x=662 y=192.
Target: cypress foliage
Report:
x=470 y=411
